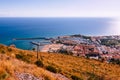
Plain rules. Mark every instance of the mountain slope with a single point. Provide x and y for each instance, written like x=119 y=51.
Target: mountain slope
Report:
x=14 y=69
x=76 y=68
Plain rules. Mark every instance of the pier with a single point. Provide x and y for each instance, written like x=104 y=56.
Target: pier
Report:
x=44 y=38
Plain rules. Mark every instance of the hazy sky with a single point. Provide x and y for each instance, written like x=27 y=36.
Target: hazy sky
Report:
x=60 y=8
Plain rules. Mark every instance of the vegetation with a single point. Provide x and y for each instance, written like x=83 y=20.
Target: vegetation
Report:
x=3 y=74
x=75 y=78
x=109 y=42
x=51 y=68
x=76 y=68
x=94 y=76
x=9 y=49
x=2 y=51
x=115 y=61
x=39 y=63
x=24 y=57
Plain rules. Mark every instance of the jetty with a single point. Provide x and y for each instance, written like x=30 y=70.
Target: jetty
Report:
x=43 y=38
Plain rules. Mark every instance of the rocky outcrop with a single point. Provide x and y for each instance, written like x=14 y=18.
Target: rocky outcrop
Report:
x=27 y=76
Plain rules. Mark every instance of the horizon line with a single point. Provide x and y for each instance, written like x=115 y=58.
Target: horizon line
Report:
x=52 y=17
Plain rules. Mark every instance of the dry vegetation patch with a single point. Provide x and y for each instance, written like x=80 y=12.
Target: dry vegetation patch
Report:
x=76 y=68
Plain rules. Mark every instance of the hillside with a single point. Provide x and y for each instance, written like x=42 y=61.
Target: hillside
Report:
x=15 y=69
x=14 y=61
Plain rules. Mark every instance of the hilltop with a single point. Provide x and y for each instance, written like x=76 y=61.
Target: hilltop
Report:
x=16 y=62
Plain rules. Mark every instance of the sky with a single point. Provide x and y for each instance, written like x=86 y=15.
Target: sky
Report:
x=59 y=8
x=64 y=8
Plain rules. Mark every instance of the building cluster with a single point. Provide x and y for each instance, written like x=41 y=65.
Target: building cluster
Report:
x=90 y=47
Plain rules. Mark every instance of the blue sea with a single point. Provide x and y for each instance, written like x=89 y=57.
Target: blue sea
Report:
x=47 y=27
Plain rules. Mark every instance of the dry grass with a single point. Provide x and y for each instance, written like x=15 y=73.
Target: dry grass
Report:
x=67 y=65
x=81 y=67
x=9 y=65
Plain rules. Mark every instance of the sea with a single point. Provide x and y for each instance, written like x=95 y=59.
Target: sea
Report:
x=11 y=28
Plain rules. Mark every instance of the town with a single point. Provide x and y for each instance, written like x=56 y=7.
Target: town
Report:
x=104 y=48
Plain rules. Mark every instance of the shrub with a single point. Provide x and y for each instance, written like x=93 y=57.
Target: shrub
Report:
x=9 y=49
x=24 y=57
x=2 y=51
x=75 y=77
x=3 y=74
x=33 y=49
x=93 y=76
x=52 y=69
x=39 y=63
x=18 y=56
x=115 y=61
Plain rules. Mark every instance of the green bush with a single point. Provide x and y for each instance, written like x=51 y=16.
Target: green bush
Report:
x=52 y=69
x=19 y=56
x=2 y=51
x=3 y=75
x=33 y=49
x=115 y=61
x=9 y=49
x=39 y=63
x=75 y=77
x=24 y=57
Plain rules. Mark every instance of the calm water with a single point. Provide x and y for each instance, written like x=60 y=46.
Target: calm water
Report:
x=48 y=27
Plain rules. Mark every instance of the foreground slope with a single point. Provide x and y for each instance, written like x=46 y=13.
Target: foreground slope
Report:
x=15 y=69
x=76 y=68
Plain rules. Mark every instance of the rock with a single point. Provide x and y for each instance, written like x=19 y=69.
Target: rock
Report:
x=27 y=76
